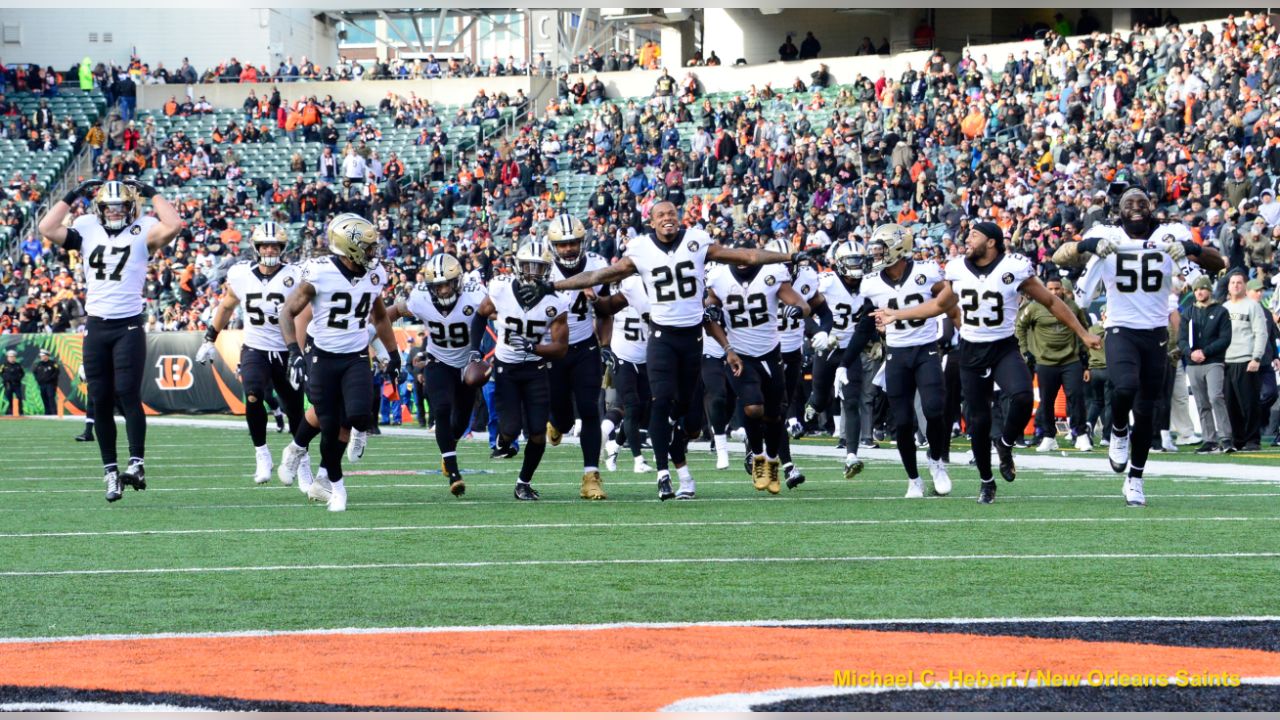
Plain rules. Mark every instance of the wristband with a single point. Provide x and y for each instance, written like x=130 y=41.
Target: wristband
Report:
x=294 y=349
x=1191 y=248
x=211 y=335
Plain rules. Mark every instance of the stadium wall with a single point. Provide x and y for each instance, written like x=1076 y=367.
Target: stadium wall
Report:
x=448 y=92
x=208 y=36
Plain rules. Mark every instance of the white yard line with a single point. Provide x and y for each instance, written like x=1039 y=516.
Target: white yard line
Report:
x=642 y=561
x=592 y=525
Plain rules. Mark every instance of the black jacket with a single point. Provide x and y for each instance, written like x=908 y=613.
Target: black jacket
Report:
x=46 y=372
x=1207 y=329
x=11 y=373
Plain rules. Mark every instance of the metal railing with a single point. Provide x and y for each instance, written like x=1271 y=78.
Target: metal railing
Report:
x=80 y=164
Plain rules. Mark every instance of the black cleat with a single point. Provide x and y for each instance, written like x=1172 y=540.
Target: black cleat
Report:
x=1007 y=469
x=501 y=452
x=525 y=491
x=134 y=476
x=457 y=486
x=86 y=436
x=1207 y=448
x=987 y=492
x=664 y=488
x=747 y=459
x=842 y=445
x=869 y=444
x=279 y=423
x=114 y=489
x=794 y=478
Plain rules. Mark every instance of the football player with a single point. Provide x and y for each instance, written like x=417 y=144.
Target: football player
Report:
x=1136 y=264
x=987 y=283
x=262 y=285
x=671 y=260
x=841 y=291
x=577 y=376
x=343 y=290
x=448 y=309
x=529 y=334
x=804 y=280
x=750 y=297
x=896 y=286
x=629 y=308
x=115 y=239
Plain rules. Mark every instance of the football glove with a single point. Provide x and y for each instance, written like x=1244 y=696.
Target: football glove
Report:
x=1104 y=247
x=713 y=313
x=529 y=293
x=842 y=379
x=521 y=344
x=85 y=189
x=207 y=351
x=1175 y=250
x=799 y=257
x=822 y=342
x=791 y=312
x=608 y=358
x=297 y=367
x=392 y=371
x=474 y=356
x=143 y=189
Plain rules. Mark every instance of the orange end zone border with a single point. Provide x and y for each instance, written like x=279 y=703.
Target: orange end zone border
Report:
x=606 y=669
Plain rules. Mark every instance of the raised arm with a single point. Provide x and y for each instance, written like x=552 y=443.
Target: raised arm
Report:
x=51 y=224
x=745 y=256
x=163 y=232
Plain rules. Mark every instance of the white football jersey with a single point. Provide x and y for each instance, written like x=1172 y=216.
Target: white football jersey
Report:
x=261 y=297
x=989 y=297
x=448 y=331
x=340 y=309
x=582 y=314
x=630 y=338
x=115 y=266
x=675 y=279
x=805 y=285
x=844 y=306
x=915 y=287
x=513 y=319
x=750 y=306
x=1138 y=282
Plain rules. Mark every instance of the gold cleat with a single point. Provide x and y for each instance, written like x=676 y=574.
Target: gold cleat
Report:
x=591 y=489
x=771 y=471
x=759 y=477
x=553 y=435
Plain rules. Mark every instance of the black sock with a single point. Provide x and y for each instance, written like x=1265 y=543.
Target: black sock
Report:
x=532 y=457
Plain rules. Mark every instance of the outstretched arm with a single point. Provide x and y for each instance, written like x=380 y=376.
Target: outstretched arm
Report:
x=603 y=276
x=745 y=256
x=1038 y=292
x=943 y=300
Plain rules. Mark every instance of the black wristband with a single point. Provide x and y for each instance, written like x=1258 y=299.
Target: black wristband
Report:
x=1089 y=245
x=211 y=334
x=294 y=349
x=1191 y=249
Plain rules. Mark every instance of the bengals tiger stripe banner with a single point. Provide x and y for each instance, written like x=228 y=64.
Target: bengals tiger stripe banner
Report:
x=173 y=382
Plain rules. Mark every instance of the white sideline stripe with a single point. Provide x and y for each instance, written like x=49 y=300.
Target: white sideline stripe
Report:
x=744 y=702
x=1030 y=461
x=588 y=627
x=590 y=525
x=444 y=502
x=644 y=561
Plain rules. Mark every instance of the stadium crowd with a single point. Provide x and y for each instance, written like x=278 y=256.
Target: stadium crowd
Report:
x=1039 y=143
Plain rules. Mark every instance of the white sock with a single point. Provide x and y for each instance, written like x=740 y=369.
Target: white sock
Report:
x=277 y=412
x=722 y=444
x=338 y=486
x=684 y=474
x=590 y=469
x=1166 y=437
x=261 y=448
x=522 y=481
x=606 y=428
x=850 y=456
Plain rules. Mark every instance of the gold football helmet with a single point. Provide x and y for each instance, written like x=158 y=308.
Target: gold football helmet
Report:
x=269 y=234
x=443 y=272
x=566 y=234
x=354 y=238
x=533 y=260
x=116 y=205
x=889 y=244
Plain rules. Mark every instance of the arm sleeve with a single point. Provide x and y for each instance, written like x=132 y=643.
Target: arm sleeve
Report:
x=863 y=333
x=479 y=325
x=820 y=320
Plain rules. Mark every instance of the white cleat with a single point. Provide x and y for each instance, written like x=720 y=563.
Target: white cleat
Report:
x=1133 y=494
x=688 y=490
x=641 y=466
x=722 y=458
x=1084 y=444
x=355 y=449
x=321 y=489
x=338 y=498
x=290 y=459
x=915 y=488
x=611 y=456
x=304 y=473
x=739 y=434
x=262 y=474
x=1048 y=444
x=941 y=480
x=1118 y=453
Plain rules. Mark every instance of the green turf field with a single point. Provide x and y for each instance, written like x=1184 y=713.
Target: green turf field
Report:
x=204 y=549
